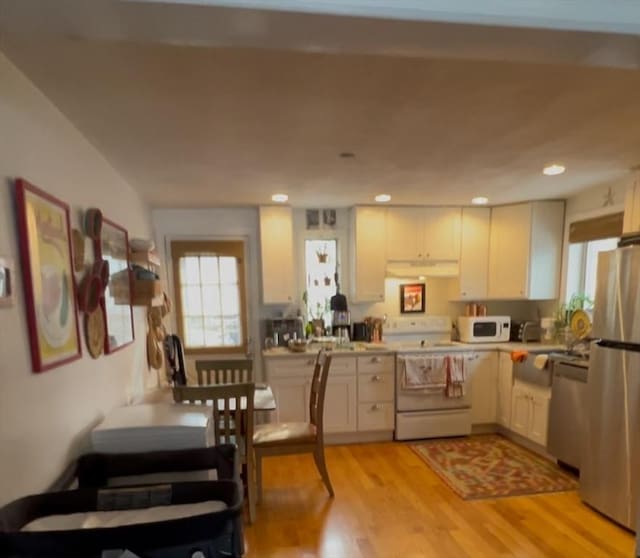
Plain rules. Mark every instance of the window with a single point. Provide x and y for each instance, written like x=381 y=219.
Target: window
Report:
x=320 y=257
x=583 y=265
x=210 y=295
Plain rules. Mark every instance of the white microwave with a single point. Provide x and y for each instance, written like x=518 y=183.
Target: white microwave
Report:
x=484 y=329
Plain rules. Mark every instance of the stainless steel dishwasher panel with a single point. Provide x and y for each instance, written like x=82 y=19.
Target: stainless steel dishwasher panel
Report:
x=567 y=412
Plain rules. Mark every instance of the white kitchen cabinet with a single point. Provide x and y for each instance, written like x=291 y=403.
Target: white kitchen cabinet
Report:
x=474 y=254
x=290 y=380
x=525 y=250
x=631 y=222
x=530 y=412
x=276 y=247
x=505 y=388
x=423 y=233
x=368 y=258
x=376 y=389
x=483 y=372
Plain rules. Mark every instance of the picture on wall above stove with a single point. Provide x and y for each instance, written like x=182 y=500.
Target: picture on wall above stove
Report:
x=412 y=298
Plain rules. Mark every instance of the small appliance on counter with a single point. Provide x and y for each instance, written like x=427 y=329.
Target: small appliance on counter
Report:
x=484 y=329
x=341 y=323
x=283 y=330
x=360 y=332
x=524 y=331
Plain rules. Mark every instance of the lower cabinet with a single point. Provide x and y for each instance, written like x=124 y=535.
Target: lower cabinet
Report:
x=359 y=396
x=483 y=372
x=505 y=387
x=530 y=412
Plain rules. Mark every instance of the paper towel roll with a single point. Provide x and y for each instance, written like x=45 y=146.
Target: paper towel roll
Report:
x=540 y=361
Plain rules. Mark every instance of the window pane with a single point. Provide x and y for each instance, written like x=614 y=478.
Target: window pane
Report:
x=591 y=265
x=211 y=300
x=189 y=270
x=194 y=332
x=209 y=269
x=320 y=266
x=230 y=301
x=228 y=270
x=232 y=331
x=191 y=301
x=213 y=332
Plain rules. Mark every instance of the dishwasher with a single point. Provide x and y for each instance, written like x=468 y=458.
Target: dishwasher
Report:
x=567 y=409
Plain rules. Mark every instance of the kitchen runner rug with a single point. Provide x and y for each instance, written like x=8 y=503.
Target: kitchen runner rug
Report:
x=490 y=466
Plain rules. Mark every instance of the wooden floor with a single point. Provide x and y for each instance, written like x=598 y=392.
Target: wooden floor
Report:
x=389 y=503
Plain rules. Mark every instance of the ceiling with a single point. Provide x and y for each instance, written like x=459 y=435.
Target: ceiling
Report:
x=193 y=123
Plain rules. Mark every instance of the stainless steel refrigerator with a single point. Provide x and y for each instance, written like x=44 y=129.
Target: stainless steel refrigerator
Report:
x=610 y=467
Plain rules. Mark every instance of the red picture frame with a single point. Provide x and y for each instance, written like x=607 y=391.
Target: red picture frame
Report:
x=44 y=235
x=113 y=245
x=412 y=298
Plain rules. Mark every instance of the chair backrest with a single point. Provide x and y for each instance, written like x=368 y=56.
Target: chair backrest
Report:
x=237 y=371
x=318 y=389
x=232 y=411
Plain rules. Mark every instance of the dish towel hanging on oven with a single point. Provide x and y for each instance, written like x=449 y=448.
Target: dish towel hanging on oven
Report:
x=455 y=376
x=423 y=373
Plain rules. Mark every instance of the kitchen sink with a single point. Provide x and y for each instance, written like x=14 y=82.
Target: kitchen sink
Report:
x=525 y=371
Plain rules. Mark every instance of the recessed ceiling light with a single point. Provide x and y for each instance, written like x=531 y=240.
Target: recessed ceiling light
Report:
x=381 y=198
x=421 y=277
x=280 y=198
x=553 y=170
x=480 y=200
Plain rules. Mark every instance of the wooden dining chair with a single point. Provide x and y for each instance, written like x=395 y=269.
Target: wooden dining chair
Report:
x=233 y=419
x=224 y=371
x=298 y=437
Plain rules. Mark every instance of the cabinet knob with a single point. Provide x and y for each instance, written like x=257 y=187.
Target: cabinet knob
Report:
x=376 y=378
x=464 y=294
x=376 y=406
x=381 y=296
x=428 y=255
x=376 y=359
x=419 y=255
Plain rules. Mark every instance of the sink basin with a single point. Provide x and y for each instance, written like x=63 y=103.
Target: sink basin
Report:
x=525 y=371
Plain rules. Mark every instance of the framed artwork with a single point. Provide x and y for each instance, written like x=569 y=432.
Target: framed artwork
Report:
x=329 y=218
x=50 y=289
x=313 y=219
x=412 y=298
x=113 y=247
x=7 y=282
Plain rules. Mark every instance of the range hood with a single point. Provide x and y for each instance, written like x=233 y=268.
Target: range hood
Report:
x=423 y=269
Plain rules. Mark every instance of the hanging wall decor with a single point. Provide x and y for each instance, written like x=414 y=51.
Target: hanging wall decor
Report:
x=50 y=290
x=7 y=282
x=412 y=298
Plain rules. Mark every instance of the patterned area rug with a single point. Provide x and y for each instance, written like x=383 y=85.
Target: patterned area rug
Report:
x=491 y=466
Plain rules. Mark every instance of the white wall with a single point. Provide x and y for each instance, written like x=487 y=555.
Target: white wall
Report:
x=44 y=417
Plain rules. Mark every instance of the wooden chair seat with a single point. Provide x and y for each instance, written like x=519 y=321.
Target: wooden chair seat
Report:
x=284 y=433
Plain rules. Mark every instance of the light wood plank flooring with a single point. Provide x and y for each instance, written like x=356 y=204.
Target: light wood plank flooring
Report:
x=390 y=504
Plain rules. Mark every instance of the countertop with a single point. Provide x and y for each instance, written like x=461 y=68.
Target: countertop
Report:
x=361 y=349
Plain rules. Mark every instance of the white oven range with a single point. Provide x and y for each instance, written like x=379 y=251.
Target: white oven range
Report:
x=427 y=413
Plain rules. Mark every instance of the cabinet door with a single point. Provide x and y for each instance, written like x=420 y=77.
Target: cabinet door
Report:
x=292 y=399
x=405 y=233
x=368 y=259
x=539 y=418
x=483 y=372
x=276 y=244
x=509 y=251
x=340 y=406
x=505 y=387
x=520 y=404
x=474 y=253
x=441 y=240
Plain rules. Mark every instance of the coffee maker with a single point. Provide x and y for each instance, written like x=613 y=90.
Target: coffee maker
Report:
x=341 y=324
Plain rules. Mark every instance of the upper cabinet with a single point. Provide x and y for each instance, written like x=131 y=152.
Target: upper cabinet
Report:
x=525 y=250
x=368 y=258
x=276 y=244
x=422 y=234
x=474 y=254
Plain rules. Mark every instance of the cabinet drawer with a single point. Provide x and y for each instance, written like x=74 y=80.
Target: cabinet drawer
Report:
x=375 y=387
x=376 y=364
x=341 y=366
x=375 y=416
x=287 y=367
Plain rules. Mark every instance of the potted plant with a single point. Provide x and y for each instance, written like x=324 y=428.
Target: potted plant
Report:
x=562 y=322
x=322 y=254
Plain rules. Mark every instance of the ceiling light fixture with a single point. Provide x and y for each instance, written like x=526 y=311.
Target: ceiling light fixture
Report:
x=382 y=198
x=279 y=198
x=553 y=170
x=480 y=200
